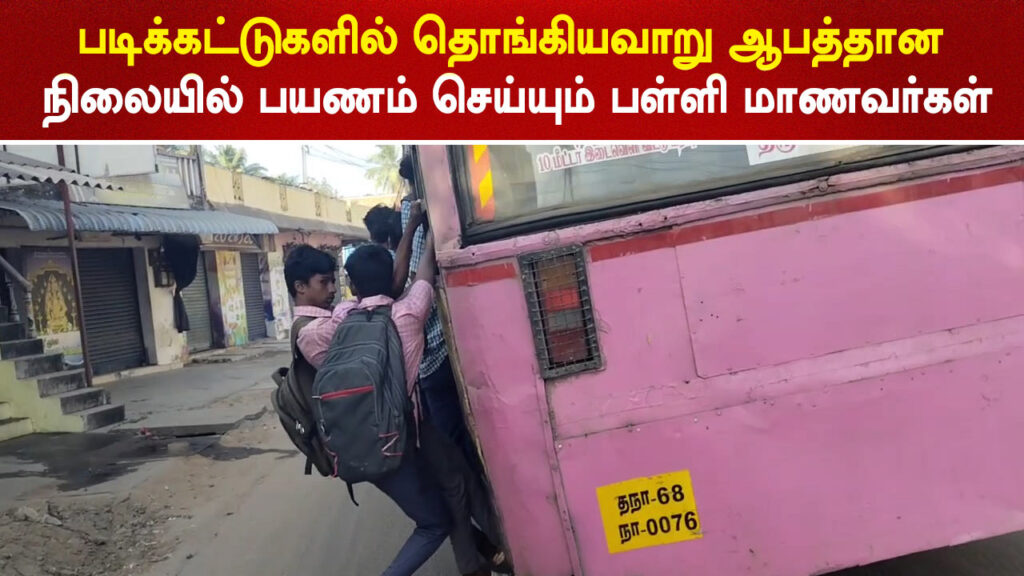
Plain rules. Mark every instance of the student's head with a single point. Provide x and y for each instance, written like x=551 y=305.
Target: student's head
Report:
x=405 y=169
x=370 y=270
x=384 y=225
x=310 y=274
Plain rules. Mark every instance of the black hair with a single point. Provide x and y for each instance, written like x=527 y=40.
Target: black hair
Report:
x=405 y=169
x=304 y=262
x=396 y=230
x=370 y=268
x=384 y=225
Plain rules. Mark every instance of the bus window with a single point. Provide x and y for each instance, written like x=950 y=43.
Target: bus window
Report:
x=531 y=183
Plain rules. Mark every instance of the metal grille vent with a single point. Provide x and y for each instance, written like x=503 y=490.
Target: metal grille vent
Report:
x=561 y=312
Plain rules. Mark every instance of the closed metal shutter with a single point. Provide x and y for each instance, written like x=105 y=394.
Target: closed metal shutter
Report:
x=197 y=303
x=110 y=305
x=252 y=287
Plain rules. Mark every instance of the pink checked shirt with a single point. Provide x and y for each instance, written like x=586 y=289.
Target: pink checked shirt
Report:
x=409 y=313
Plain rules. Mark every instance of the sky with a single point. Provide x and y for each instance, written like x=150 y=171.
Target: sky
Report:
x=286 y=157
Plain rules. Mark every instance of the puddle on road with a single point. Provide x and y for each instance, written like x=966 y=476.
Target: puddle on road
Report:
x=80 y=461
x=231 y=453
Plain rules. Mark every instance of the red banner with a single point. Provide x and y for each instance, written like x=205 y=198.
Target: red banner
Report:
x=645 y=70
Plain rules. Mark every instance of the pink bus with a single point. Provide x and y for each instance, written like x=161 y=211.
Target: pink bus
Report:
x=736 y=360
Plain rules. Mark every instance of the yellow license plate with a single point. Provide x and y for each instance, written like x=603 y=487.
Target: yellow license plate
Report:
x=652 y=511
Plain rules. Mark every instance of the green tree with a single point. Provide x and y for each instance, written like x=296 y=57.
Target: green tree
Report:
x=286 y=179
x=176 y=149
x=321 y=186
x=383 y=170
x=233 y=159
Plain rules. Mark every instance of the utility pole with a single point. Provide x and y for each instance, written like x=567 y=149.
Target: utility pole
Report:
x=69 y=224
x=305 y=174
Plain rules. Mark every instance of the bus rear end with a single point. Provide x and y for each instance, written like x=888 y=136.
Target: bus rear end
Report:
x=725 y=360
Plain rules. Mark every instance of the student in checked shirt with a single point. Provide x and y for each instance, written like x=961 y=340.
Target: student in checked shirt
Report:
x=436 y=463
x=441 y=403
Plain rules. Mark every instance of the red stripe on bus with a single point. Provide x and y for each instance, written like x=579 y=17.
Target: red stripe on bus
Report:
x=480 y=275
x=802 y=213
x=343 y=393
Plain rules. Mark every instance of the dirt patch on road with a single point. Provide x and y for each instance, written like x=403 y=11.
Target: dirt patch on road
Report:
x=85 y=536
x=133 y=531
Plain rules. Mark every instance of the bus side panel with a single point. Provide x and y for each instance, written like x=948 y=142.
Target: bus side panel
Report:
x=862 y=397
x=767 y=309
x=835 y=477
x=499 y=369
x=855 y=279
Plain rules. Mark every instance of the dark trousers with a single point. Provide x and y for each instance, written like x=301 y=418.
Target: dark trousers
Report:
x=443 y=408
x=465 y=494
x=413 y=488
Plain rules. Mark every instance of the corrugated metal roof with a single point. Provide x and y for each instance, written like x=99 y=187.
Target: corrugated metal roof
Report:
x=17 y=170
x=286 y=222
x=49 y=215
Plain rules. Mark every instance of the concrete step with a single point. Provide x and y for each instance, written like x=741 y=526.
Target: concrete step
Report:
x=11 y=331
x=102 y=416
x=14 y=427
x=18 y=348
x=6 y=411
x=30 y=366
x=61 y=382
x=83 y=399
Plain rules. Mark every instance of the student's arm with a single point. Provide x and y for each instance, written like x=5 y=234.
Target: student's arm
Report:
x=315 y=338
x=428 y=262
x=403 y=254
x=418 y=300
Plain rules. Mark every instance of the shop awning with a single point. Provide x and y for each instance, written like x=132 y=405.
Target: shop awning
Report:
x=48 y=215
x=285 y=222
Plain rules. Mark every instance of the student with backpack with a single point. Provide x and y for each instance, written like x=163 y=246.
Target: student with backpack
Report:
x=310 y=274
x=362 y=410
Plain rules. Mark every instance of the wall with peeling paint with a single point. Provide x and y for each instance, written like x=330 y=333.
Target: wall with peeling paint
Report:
x=46 y=263
x=169 y=345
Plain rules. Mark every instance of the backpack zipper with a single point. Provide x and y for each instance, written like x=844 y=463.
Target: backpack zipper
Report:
x=344 y=393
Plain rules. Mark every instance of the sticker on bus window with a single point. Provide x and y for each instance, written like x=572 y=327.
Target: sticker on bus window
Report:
x=652 y=511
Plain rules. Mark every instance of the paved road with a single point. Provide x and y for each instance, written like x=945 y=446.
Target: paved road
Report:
x=194 y=395
x=1003 y=556
x=287 y=524
x=313 y=530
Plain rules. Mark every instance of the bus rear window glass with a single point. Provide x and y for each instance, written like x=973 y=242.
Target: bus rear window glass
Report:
x=530 y=181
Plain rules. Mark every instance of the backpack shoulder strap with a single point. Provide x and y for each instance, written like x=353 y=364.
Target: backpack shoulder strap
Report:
x=297 y=326
x=351 y=493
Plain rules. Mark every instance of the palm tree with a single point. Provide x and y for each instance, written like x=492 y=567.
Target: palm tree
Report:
x=383 y=170
x=286 y=179
x=233 y=159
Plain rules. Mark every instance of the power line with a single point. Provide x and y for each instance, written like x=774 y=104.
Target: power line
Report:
x=346 y=155
x=332 y=154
